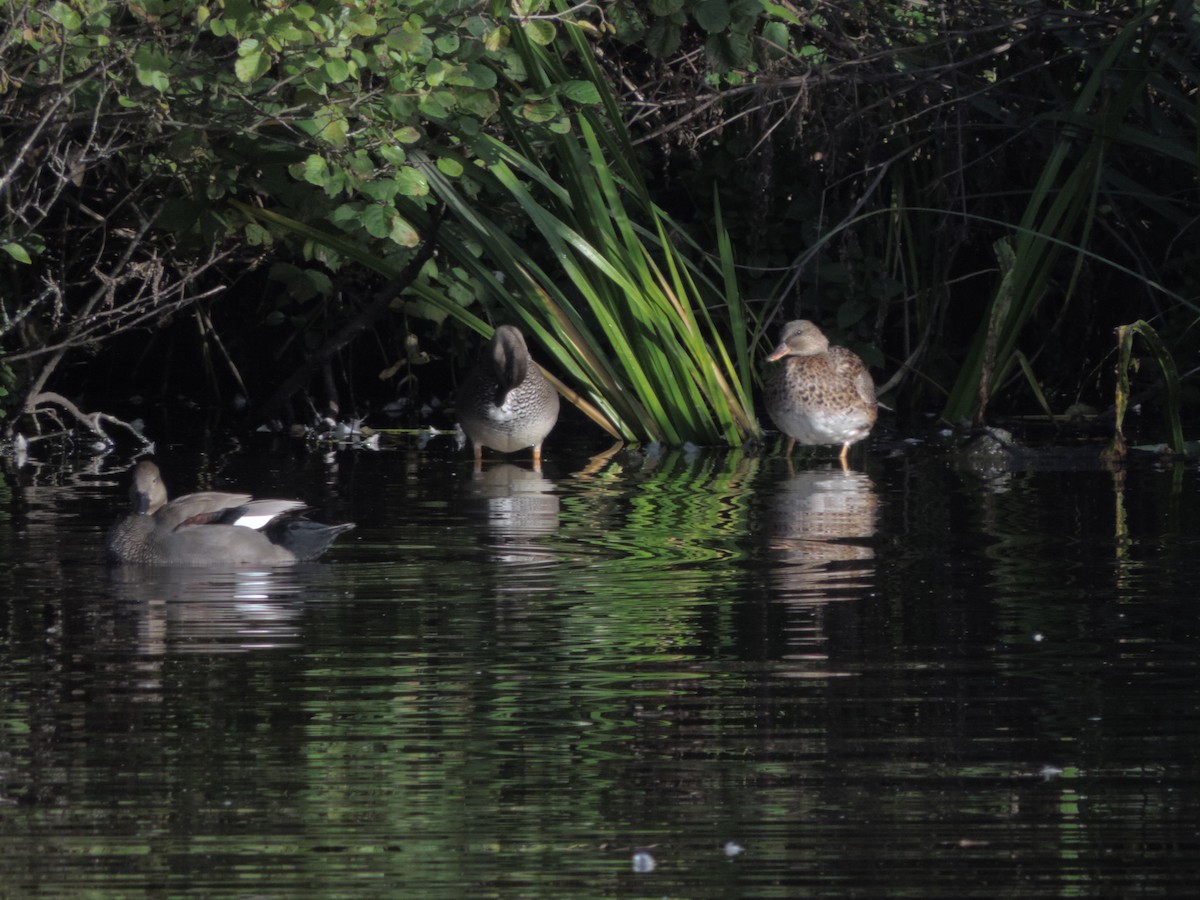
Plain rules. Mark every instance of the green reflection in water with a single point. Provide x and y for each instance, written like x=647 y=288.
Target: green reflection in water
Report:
x=512 y=682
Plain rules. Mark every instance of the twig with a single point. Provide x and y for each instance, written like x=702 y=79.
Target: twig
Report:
x=92 y=421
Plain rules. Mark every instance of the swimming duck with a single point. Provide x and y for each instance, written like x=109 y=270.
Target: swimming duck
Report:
x=213 y=528
x=506 y=403
x=821 y=394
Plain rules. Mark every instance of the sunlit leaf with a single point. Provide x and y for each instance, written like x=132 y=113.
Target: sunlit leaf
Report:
x=65 y=16
x=412 y=182
x=403 y=233
x=449 y=166
x=336 y=70
x=540 y=110
x=315 y=169
x=540 y=32
x=781 y=12
x=252 y=66
x=151 y=67
x=363 y=24
x=581 y=92
x=17 y=252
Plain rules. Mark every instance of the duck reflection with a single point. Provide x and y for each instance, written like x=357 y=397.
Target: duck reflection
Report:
x=190 y=609
x=519 y=505
x=821 y=525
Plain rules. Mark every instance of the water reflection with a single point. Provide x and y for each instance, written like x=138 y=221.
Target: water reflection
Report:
x=819 y=517
x=444 y=722
x=518 y=505
x=186 y=609
x=821 y=524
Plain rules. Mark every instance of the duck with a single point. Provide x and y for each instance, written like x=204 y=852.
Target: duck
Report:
x=821 y=394
x=213 y=528
x=506 y=403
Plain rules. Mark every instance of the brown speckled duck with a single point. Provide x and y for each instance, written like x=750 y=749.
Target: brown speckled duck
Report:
x=506 y=403
x=821 y=394
x=213 y=528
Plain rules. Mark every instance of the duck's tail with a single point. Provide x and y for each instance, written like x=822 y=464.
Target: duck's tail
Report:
x=305 y=539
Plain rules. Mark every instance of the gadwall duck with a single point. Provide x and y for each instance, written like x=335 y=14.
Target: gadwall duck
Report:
x=821 y=394
x=505 y=402
x=213 y=528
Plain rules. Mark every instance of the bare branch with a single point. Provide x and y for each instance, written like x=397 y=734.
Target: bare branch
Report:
x=93 y=421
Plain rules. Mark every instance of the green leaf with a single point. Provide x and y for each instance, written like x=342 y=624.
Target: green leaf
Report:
x=347 y=212
x=740 y=49
x=375 y=219
x=321 y=283
x=412 y=182
x=581 y=92
x=481 y=104
x=665 y=7
x=151 y=67
x=781 y=12
x=540 y=32
x=328 y=124
x=361 y=164
x=539 y=110
x=436 y=104
x=449 y=166
x=728 y=51
x=410 y=41
x=482 y=77
x=283 y=30
x=384 y=189
x=663 y=38
x=257 y=235
x=436 y=72
x=776 y=37
x=390 y=153
x=315 y=170
x=252 y=66
x=336 y=71
x=363 y=24
x=65 y=16
x=712 y=15
x=496 y=39
x=17 y=252
x=403 y=233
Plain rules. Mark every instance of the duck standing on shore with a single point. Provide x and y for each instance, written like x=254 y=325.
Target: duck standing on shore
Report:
x=821 y=394
x=506 y=403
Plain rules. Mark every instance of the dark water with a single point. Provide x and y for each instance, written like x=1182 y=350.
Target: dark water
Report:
x=915 y=680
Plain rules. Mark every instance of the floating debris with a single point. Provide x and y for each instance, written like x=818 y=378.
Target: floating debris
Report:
x=643 y=862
